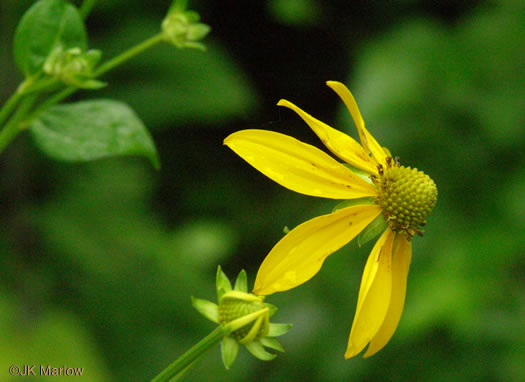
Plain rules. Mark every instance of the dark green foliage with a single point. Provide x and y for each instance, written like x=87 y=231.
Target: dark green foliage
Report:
x=98 y=260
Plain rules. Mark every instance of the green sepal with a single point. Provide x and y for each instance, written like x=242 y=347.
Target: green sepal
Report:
x=92 y=57
x=271 y=343
x=353 y=202
x=372 y=230
x=254 y=330
x=229 y=351
x=241 y=296
x=207 y=308
x=223 y=283
x=272 y=309
x=241 y=284
x=242 y=321
x=276 y=330
x=258 y=351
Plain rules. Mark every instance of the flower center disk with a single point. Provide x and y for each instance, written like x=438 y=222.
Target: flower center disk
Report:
x=407 y=196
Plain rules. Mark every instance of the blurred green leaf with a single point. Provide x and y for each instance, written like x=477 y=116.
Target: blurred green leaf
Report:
x=295 y=12
x=45 y=25
x=173 y=86
x=51 y=337
x=91 y=130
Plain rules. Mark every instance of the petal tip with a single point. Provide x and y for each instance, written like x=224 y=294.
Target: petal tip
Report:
x=227 y=140
x=332 y=83
x=335 y=84
x=350 y=354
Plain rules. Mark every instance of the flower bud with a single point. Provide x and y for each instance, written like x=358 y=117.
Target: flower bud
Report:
x=73 y=66
x=245 y=314
x=245 y=319
x=182 y=29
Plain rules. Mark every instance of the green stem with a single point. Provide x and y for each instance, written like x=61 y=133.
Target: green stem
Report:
x=10 y=105
x=181 y=5
x=185 y=360
x=13 y=126
x=137 y=49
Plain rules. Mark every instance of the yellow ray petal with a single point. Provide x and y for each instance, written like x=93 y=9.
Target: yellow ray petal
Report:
x=301 y=253
x=337 y=142
x=367 y=140
x=374 y=295
x=298 y=166
x=401 y=257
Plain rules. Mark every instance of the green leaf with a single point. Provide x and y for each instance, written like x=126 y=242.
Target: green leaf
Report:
x=45 y=25
x=90 y=130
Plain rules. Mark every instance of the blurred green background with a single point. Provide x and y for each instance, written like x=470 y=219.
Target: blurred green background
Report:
x=98 y=261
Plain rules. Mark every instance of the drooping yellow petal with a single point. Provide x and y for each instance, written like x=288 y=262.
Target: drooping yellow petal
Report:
x=298 y=166
x=367 y=140
x=342 y=145
x=401 y=257
x=301 y=253
x=374 y=295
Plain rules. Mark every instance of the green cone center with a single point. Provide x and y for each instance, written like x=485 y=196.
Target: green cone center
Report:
x=407 y=196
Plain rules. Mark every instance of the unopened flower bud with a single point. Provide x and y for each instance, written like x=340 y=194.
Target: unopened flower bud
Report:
x=183 y=30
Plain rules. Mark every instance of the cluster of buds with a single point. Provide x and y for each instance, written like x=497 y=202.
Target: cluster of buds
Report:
x=182 y=28
x=244 y=318
x=73 y=66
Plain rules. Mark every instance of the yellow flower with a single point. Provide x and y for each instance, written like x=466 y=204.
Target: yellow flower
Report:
x=380 y=189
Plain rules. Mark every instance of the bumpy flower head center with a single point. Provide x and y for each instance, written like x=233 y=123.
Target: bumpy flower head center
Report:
x=407 y=196
x=231 y=309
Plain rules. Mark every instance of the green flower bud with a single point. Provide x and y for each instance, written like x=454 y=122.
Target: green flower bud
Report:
x=245 y=315
x=245 y=319
x=73 y=66
x=182 y=29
